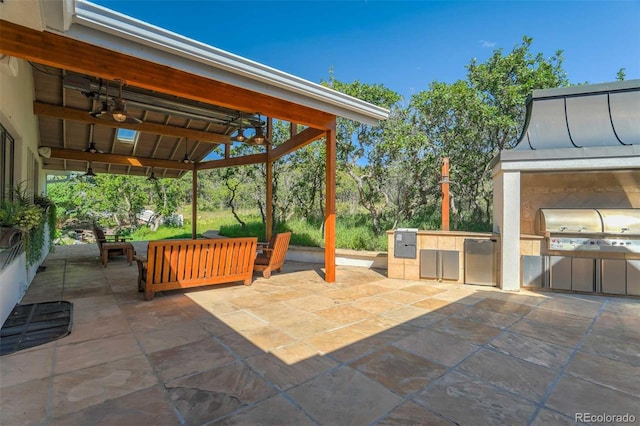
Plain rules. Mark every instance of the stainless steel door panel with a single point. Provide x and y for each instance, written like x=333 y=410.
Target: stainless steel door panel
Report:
x=450 y=264
x=583 y=274
x=429 y=264
x=532 y=271
x=479 y=262
x=560 y=272
x=633 y=277
x=614 y=276
x=405 y=244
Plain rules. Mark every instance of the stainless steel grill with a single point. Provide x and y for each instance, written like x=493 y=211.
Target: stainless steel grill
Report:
x=603 y=230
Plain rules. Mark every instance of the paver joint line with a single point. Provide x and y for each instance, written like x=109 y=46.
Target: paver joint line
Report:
x=561 y=373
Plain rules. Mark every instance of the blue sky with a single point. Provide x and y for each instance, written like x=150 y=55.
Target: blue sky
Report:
x=404 y=45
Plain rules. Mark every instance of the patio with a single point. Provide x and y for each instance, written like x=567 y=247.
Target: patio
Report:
x=296 y=350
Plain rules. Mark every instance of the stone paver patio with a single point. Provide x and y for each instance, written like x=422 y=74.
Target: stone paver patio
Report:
x=293 y=350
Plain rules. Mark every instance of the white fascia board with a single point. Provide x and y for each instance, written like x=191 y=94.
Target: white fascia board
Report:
x=569 y=159
x=104 y=27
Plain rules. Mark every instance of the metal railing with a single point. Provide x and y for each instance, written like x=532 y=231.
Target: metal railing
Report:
x=7 y=255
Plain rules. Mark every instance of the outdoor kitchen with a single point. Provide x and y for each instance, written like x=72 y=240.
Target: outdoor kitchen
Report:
x=566 y=203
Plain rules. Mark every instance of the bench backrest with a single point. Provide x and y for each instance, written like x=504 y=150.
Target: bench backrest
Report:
x=190 y=260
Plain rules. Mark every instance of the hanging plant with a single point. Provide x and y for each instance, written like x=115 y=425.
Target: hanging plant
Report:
x=29 y=217
x=49 y=208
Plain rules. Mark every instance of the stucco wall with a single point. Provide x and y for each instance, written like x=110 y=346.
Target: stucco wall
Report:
x=16 y=115
x=611 y=189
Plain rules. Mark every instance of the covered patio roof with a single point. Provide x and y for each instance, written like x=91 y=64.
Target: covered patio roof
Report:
x=189 y=96
x=182 y=97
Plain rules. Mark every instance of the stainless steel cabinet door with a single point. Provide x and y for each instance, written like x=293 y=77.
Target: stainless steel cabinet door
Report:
x=614 y=279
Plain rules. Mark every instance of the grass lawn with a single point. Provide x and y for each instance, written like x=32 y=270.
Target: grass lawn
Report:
x=349 y=235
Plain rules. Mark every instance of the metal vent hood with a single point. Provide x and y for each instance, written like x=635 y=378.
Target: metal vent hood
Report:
x=588 y=116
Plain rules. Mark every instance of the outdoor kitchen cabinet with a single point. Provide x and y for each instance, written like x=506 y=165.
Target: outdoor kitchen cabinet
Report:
x=405 y=243
x=614 y=276
x=440 y=264
x=633 y=277
x=480 y=262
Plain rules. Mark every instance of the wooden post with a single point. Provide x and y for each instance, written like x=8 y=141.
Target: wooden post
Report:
x=444 y=183
x=194 y=204
x=330 y=214
x=269 y=186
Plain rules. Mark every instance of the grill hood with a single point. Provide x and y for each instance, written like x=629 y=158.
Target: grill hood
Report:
x=621 y=222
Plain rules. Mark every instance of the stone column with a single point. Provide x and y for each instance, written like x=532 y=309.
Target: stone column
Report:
x=506 y=222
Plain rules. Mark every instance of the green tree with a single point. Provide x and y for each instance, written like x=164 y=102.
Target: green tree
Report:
x=472 y=120
x=363 y=151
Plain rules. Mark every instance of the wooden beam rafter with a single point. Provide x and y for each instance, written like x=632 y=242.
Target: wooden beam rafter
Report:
x=69 y=54
x=71 y=154
x=233 y=161
x=74 y=114
x=299 y=140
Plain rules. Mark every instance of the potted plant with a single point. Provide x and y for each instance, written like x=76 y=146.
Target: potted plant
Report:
x=23 y=217
x=9 y=232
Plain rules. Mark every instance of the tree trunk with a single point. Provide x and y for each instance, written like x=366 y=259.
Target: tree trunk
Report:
x=231 y=204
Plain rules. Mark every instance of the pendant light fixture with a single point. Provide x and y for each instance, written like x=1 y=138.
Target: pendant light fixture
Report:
x=259 y=137
x=239 y=137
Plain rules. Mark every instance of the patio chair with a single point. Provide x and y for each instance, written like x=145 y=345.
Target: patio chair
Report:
x=112 y=244
x=271 y=257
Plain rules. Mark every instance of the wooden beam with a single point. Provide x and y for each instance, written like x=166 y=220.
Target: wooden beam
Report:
x=233 y=161
x=74 y=114
x=69 y=54
x=301 y=139
x=194 y=204
x=69 y=154
x=269 y=186
x=330 y=213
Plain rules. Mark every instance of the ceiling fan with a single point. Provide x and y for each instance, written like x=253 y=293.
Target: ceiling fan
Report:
x=89 y=171
x=186 y=159
x=152 y=177
x=113 y=109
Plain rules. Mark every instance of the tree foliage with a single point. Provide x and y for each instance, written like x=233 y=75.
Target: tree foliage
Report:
x=388 y=175
x=471 y=121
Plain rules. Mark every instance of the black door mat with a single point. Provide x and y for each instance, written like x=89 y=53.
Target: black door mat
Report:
x=35 y=324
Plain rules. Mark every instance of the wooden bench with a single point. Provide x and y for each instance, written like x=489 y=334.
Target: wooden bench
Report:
x=176 y=264
x=112 y=244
